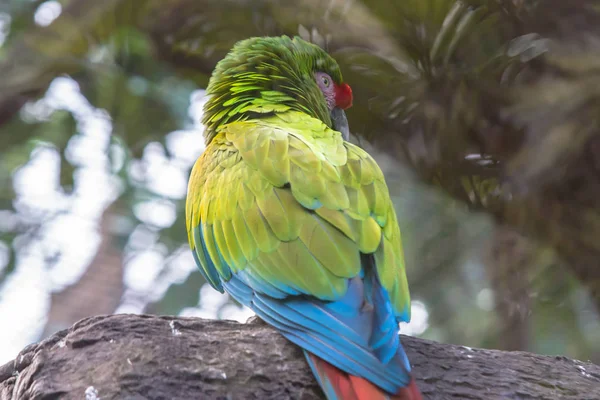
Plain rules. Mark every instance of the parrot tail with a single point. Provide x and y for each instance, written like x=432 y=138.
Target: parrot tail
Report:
x=339 y=385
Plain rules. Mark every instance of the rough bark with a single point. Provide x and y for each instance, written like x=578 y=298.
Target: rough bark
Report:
x=151 y=357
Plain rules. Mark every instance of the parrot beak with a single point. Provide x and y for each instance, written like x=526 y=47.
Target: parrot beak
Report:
x=340 y=122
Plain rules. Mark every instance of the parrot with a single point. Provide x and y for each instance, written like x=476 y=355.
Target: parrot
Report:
x=295 y=222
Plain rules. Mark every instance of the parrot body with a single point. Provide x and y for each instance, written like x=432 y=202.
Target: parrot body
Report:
x=296 y=223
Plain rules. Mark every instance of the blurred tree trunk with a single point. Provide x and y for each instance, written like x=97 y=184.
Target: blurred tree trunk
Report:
x=508 y=262
x=100 y=288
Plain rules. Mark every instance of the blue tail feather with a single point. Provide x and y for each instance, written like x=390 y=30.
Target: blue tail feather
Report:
x=357 y=333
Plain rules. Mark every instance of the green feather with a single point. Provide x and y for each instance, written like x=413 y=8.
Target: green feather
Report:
x=278 y=193
x=267 y=75
x=281 y=209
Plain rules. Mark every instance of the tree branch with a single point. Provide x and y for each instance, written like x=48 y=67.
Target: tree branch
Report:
x=151 y=357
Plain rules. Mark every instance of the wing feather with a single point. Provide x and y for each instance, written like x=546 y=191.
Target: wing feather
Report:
x=284 y=201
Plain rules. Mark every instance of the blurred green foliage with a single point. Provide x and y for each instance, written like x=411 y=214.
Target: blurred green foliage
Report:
x=482 y=113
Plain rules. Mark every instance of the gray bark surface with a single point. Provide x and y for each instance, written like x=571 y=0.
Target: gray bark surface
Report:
x=153 y=357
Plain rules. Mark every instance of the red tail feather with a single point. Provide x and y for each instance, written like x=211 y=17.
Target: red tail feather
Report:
x=349 y=387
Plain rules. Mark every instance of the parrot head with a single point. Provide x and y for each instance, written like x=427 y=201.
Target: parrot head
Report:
x=264 y=75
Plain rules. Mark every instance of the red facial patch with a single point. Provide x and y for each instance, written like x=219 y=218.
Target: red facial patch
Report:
x=343 y=96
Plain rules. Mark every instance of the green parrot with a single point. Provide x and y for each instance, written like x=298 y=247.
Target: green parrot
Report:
x=295 y=222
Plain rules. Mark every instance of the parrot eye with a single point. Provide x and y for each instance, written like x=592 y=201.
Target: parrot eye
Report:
x=327 y=87
x=324 y=81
